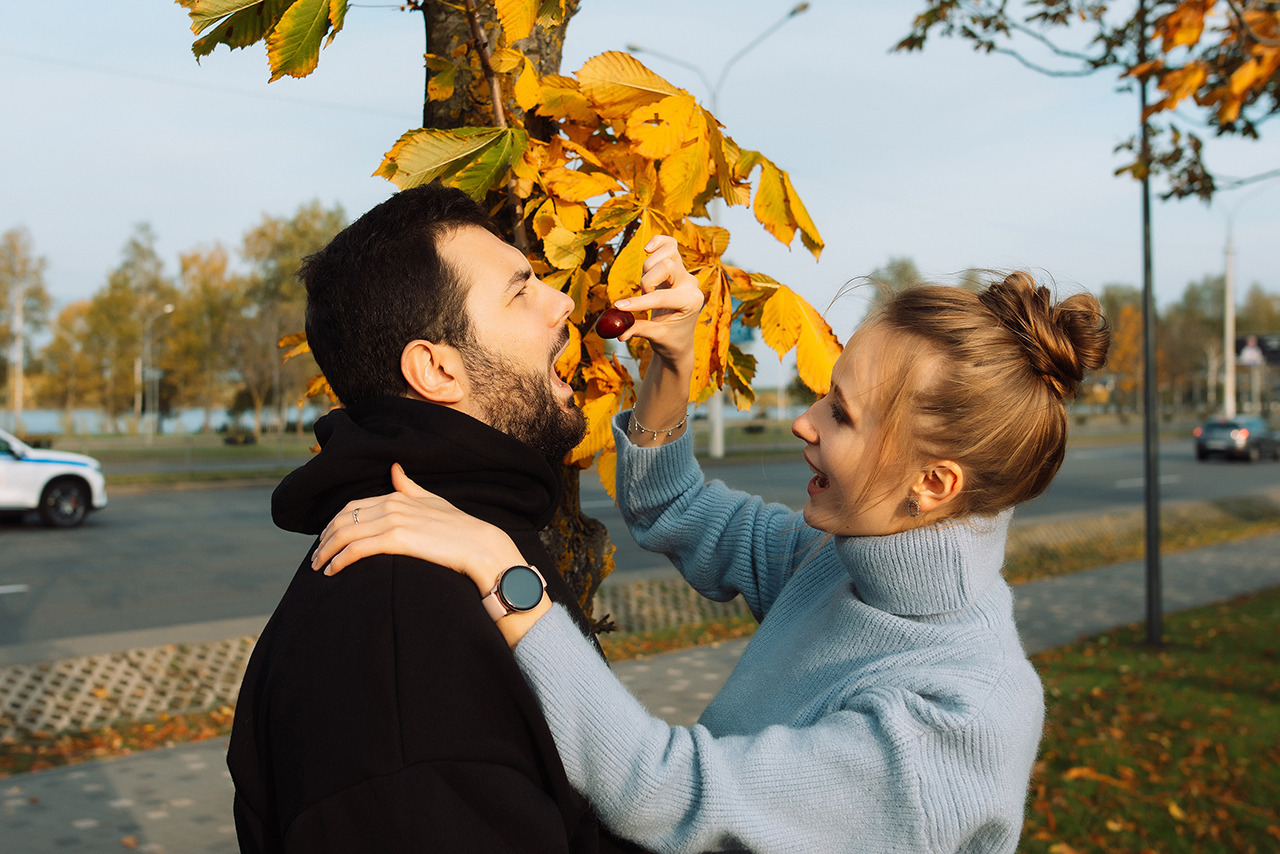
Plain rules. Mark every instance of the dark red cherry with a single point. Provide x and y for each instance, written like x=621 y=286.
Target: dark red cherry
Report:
x=613 y=322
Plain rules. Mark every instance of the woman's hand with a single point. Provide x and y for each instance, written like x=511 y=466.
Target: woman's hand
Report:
x=412 y=521
x=673 y=299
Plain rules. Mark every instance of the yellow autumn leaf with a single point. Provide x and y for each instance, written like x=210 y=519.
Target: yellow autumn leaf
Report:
x=607 y=471
x=740 y=373
x=599 y=409
x=617 y=84
x=660 y=128
x=681 y=176
x=575 y=186
x=516 y=17
x=1176 y=812
x=624 y=275
x=800 y=216
x=771 y=204
x=527 y=89
x=560 y=98
x=1184 y=25
x=787 y=321
x=567 y=364
x=563 y=248
x=711 y=336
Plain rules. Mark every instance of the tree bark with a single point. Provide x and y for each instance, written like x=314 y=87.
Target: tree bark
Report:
x=470 y=105
x=579 y=543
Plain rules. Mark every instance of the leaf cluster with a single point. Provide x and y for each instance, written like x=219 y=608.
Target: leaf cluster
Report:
x=1221 y=55
x=584 y=170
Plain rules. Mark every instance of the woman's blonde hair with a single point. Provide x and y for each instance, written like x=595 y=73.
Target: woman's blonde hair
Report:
x=980 y=379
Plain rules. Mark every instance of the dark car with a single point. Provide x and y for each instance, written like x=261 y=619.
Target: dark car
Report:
x=1244 y=437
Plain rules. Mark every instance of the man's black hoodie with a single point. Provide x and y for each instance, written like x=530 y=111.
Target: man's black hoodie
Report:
x=382 y=710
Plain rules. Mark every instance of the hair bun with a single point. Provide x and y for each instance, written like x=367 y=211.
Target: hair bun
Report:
x=1062 y=340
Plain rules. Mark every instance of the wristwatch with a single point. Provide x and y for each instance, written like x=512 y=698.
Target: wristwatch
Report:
x=519 y=588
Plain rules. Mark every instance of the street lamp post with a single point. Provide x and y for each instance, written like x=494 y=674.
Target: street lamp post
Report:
x=716 y=414
x=150 y=377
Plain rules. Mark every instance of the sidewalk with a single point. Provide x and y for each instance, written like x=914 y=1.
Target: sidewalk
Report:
x=178 y=801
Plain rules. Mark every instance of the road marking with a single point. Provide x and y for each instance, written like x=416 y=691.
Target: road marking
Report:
x=13 y=588
x=1136 y=482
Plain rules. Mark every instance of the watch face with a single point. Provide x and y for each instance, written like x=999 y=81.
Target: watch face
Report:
x=521 y=588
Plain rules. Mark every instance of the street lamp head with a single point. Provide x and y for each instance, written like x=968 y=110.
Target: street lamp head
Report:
x=635 y=48
x=799 y=7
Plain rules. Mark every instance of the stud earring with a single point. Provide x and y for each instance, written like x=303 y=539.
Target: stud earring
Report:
x=913 y=508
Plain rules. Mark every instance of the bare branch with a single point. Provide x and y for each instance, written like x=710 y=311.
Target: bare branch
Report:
x=500 y=118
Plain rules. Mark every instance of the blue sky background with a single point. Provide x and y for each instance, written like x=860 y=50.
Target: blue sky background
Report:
x=950 y=158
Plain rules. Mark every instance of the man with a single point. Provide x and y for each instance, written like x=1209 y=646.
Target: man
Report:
x=381 y=709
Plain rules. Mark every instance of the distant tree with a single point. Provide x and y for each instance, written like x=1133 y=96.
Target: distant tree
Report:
x=1193 y=328
x=135 y=291
x=70 y=377
x=24 y=308
x=1220 y=59
x=209 y=306
x=1124 y=360
x=1116 y=296
x=273 y=303
x=1260 y=312
x=898 y=274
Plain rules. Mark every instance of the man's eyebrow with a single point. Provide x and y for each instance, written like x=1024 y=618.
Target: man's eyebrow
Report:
x=517 y=280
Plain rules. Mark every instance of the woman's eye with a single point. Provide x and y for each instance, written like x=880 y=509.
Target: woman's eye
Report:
x=838 y=414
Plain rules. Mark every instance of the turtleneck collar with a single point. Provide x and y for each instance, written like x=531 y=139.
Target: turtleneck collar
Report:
x=480 y=470
x=932 y=570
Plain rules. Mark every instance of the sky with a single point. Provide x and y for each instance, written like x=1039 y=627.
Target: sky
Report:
x=947 y=157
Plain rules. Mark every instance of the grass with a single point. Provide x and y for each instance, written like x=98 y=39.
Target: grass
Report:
x=1163 y=750
x=1120 y=538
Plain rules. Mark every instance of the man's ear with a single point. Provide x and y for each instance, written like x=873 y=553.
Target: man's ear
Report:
x=434 y=372
x=937 y=486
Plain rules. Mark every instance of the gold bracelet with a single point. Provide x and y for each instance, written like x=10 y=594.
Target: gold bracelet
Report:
x=634 y=426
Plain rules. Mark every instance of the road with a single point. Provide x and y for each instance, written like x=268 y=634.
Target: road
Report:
x=175 y=557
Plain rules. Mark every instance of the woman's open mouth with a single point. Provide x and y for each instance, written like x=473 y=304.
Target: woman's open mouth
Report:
x=818 y=482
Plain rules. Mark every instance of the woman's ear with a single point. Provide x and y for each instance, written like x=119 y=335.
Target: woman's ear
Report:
x=938 y=485
x=434 y=372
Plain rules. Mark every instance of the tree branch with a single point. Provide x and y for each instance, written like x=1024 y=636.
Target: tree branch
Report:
x=500 y=119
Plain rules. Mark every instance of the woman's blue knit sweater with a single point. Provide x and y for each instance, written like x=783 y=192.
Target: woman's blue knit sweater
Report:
x=884 y=704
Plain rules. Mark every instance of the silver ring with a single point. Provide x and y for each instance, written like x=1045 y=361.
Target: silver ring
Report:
x=355 y=515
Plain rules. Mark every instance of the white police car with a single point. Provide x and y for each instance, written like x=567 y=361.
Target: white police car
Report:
x=63 y=486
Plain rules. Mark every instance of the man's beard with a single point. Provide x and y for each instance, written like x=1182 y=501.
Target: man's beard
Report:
x=520 y=402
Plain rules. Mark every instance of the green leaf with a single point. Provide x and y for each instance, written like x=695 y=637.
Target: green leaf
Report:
x=487 y=171
x=248 y=26
x=293 y=48
x=472 y=159
x=205 y=13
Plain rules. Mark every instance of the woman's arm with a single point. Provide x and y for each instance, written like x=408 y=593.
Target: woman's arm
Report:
x=882 y=769
x=723 y=541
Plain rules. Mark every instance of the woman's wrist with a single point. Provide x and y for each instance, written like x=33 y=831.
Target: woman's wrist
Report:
x=517 y=624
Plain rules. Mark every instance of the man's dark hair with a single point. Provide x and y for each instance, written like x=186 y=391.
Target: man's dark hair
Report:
x=380 y=284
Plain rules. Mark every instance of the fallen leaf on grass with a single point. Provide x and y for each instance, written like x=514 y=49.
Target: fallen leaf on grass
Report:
x=1176 y=812
x=1083 y=773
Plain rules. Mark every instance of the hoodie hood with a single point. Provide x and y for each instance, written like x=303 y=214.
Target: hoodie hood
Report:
x=478 y=469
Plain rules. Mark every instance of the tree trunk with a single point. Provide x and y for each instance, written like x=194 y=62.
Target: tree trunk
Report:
x=580 y=544
x=446 y=28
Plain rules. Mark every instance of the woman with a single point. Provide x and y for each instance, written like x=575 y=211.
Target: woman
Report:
x=885 y=703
